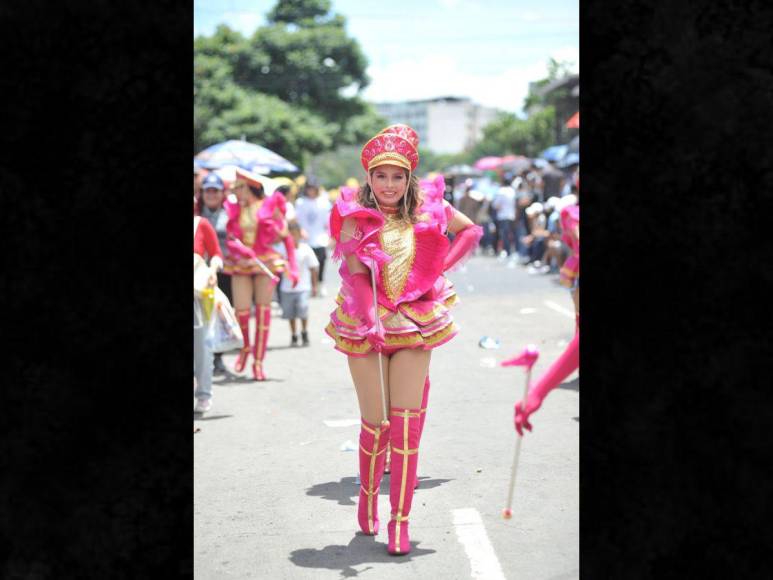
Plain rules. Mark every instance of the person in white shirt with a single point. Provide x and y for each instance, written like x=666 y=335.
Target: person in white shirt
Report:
x=295 y=301
x=504 y=204
x=312 y=211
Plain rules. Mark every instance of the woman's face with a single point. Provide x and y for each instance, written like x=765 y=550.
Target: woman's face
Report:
x=242 y=192
x=389 y=184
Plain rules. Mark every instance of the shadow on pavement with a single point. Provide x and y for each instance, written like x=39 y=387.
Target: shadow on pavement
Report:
x=361 y=550
x=228 y=379
x=345 y=491
x=288 y=347
x=573 y=385
x=200 y=417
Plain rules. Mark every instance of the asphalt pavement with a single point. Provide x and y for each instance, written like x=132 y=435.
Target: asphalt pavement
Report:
x=276 y=462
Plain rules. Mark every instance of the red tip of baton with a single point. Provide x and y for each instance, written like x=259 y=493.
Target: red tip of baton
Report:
x=527 y=358
x=507 y=513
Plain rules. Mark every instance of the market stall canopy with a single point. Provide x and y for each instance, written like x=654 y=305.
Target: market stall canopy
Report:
x=246 y=155
x=574 y=121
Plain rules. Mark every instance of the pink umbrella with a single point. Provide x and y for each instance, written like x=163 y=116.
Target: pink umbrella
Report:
x=574 y=121
x=486 y=163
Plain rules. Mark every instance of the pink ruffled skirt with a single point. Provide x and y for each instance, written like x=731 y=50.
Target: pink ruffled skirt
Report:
x=425 y=323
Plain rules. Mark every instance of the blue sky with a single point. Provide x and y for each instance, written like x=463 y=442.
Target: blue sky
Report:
x=487 y=50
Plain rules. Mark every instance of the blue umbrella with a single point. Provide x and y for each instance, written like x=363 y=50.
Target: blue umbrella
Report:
x=569 y=159
x=246 y=155
x=554 y=153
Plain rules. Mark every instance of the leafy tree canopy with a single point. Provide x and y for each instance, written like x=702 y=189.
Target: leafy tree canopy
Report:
x=304 y=59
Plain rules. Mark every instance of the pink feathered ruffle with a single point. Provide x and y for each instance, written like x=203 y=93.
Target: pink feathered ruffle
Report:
x=269 y=227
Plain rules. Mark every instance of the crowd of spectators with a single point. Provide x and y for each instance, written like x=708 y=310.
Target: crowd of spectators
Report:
x=519 y=214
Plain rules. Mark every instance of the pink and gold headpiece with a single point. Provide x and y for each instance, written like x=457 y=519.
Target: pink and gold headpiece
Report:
x=388 y=148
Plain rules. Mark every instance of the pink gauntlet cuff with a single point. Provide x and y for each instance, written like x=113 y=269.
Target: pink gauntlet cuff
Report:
x=293 y=264
x=362 y=292
x=238 y=250
x=463 y=245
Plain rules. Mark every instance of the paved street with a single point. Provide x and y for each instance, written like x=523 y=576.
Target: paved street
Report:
x=275 y=494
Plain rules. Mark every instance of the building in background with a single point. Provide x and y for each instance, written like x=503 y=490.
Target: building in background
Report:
x=564 y=95
x=444 y=124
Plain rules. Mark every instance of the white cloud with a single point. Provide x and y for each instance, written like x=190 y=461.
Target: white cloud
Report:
x=568 y=53
x=531 y=16
x=440 y=75
x=243 y=21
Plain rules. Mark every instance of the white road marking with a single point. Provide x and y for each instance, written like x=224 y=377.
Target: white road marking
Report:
x=561 y=309
x=341 y=422
x=527 y=311
x=472 y=535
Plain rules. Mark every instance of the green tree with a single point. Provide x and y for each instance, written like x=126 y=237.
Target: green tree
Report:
x=310 y=61
x=556 y=70
x=293 y=132
x=510 y=135
x=294 y=68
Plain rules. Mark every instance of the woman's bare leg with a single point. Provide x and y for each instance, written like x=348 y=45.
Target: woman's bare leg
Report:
x=264 y=290
x=242 y=288
x=407 y=371
x=364 y=372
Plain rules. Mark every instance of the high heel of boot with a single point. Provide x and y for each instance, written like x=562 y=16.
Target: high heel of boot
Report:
x=257 y=371
x=404 y=439
x=398 y=544
x=241 y=361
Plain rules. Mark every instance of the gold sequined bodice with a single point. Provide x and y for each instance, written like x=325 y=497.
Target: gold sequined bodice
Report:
x=248 y=222
x=397 y=240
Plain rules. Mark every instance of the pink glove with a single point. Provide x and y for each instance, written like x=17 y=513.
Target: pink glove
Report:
x=463 y=245
x=238 y=250
x=293 y=269
x=565 y=364
x=363 y=302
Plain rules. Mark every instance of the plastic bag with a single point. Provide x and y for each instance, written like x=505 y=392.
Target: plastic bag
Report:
x=223 y=333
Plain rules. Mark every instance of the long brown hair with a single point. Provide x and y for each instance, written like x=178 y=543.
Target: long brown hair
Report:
x=414 y=197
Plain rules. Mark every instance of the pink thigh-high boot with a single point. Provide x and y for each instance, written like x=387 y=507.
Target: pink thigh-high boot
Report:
x=404 y=437
x=423 y=411
x=262 y=326
x=243 y=316
x=373 y=442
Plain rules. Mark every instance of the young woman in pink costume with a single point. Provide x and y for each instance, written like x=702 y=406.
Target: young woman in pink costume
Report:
x=395 y=231
x=569 y=360
x=255 y=223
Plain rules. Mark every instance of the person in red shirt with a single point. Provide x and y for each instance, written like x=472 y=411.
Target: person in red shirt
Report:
x=205 y=244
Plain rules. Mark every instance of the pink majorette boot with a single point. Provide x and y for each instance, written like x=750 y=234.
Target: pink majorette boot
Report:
x=263 y=323
x=404 y=437
x=373 y=442
x=243 y=316
x=423 y=411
